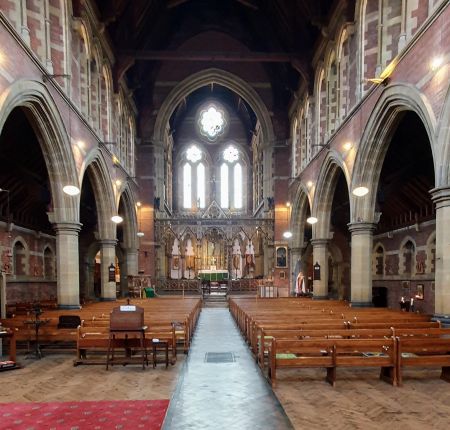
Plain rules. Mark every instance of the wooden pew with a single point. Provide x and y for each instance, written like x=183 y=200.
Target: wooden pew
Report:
x=333 y=353
x=423 y=351
x=265 y=341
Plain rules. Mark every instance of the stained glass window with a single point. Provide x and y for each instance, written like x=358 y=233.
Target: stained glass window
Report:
x=193 y=154
x=212 y=122
x=231 y=154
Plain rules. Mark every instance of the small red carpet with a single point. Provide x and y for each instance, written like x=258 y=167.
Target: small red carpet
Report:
x=89 y=415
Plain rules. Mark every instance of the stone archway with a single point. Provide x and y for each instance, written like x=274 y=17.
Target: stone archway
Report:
x=376 y=139
x=301 y=209
x=380 y=134
x=332 y=166
x=333 y=172
x=127 y=246
x=213 y=76
x=43 y=115
x=104 y=230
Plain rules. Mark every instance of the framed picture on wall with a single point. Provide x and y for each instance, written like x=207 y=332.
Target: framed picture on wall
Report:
x=281 y=256
x=282 y=275
x=419 y=292
x=405 y=288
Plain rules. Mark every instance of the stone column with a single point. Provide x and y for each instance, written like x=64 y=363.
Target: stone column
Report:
x=441 y=198
x=361 y=263
x=67 y=264
x=132 y=261
x=320 y=255
x=130 y=269
x=108 y=257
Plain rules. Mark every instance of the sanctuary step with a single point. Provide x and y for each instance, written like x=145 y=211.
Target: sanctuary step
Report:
x=215 y=301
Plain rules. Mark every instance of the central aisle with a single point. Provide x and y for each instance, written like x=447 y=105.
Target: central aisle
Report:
x=221 y=395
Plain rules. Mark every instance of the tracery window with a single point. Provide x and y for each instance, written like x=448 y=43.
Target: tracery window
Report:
x=231 y=179
x=194 y=178
x=212 y=122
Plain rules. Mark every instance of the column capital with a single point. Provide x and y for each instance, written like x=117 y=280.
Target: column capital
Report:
x=67 y=227
x=361 y=227
x=319 y=242
x=441 y=196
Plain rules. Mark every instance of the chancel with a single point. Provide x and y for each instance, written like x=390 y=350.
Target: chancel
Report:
x=268 y=182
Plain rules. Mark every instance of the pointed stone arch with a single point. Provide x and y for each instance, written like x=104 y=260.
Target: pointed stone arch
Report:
x=443 y=145
x=130 y=224
x=53 y=139
x=324 y=193
x=375 y=142
x=101 y=183
x=213 y=76
x=301 y=204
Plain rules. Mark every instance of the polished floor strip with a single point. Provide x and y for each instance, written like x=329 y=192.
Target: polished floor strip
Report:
x=220 y=385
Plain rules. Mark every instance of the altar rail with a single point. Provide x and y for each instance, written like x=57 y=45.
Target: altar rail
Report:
x=244 y=285
x=164 y=285
x=190 y=286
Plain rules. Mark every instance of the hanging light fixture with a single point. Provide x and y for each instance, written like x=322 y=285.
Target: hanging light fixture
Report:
x=117 y=219
x=71 y=190
x=360 y=191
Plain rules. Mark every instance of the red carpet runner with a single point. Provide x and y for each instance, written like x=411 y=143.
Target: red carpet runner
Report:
x=121 y=414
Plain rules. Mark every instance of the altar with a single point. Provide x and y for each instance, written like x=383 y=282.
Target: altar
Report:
x=213 y=275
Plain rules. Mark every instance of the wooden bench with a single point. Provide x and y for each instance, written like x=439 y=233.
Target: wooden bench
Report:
x=333 y=353
x=423 y=351
x=265 y=340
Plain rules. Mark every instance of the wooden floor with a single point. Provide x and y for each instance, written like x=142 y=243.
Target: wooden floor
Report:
x=359 y=400
x=54 y=378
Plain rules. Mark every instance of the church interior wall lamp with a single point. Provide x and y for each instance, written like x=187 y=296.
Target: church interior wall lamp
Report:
x=311 y=220
x=71 y=190
x=360 y=191
x=117 y=219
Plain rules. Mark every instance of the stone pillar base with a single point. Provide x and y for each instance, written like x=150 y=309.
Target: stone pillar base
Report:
x=361 y=304
x=63 y=307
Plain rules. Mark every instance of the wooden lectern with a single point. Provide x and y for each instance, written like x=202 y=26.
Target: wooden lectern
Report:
x=126 y=321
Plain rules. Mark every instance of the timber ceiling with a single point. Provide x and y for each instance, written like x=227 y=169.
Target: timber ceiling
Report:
x=280 y=34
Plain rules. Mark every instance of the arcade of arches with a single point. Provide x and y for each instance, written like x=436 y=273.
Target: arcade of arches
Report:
x=194 y=131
